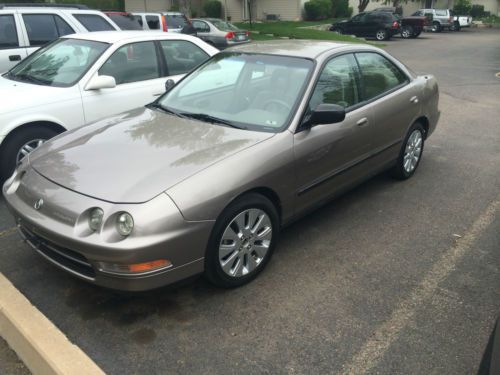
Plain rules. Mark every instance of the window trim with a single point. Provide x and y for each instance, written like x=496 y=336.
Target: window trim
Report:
x=17 y=34
x=128 y=44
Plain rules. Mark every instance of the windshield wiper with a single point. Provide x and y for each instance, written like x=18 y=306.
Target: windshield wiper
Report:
x=211 y=119
x=165 y=109
x=28 y=78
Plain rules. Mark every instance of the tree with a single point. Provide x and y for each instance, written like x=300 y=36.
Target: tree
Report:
x=362 y=5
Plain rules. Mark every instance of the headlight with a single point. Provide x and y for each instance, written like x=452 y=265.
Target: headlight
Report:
x=95 y=219
x=125 y=224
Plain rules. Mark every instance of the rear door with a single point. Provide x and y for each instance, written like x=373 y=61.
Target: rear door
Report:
x=12 y=48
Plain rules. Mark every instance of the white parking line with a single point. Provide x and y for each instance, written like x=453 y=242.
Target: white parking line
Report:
x=39 y=343
x=381 y=339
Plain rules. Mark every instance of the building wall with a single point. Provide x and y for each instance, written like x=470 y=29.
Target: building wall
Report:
x=287 y=10
x=147 y=5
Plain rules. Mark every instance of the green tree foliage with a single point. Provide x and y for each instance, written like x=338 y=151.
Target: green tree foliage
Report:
x=318 y=9
x=477 y=11
x=341 y=9
x=213 y=8
x=462 y=7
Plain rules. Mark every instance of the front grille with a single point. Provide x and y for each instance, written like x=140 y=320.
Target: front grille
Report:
x=67 y=259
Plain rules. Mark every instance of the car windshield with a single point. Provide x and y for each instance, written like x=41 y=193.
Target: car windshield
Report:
x=224 y=26
x=242 y=90
x=62 y=63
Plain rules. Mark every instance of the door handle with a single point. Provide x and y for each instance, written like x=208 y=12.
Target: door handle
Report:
x=157 y=94
x=15 y=57
x=362 y=122
x=414 y=99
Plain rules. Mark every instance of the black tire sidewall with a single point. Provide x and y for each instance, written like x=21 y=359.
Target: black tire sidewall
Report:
x=399 y=171
x=213 y=269
x=13 y=143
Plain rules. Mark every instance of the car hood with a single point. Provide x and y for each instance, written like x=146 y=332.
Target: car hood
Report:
x=20 y=95
x=134 y=156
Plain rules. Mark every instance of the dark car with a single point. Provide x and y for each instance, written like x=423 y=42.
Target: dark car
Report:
x=411 y=27
x=378 y=25
x=124 y=20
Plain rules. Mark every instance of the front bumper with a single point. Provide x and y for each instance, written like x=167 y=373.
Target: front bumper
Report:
x=55 y=232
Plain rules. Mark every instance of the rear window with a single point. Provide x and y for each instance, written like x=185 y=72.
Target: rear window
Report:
x=176 y=21
x=125 y=22
x=44 y=28
x=93 y=22
x=8 y=32
x=224 y=26
x=153 y=22
x=441 y=12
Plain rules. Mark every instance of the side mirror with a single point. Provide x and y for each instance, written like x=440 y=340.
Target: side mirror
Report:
x=101 y=82
x=169 y=84
x=327 y=114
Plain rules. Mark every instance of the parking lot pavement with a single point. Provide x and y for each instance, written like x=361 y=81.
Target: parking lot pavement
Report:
x=393 y=277
x=10 y=364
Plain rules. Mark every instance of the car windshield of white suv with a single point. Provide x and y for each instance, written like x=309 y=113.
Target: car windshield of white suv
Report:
x=241 y=90
x=62 y=63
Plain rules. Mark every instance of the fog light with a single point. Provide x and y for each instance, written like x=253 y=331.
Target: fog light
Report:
x=125 y=224
x=95 y=219
x=135 y=268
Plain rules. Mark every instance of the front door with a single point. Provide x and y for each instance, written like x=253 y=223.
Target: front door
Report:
x=326 y=154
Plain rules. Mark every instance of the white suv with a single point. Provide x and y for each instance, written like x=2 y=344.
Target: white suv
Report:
x=24 y=30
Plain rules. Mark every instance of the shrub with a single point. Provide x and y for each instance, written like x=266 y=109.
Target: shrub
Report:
x=477 y=11
x=340 y=9
x=462 y=7
x=317 y=9
x=213 y=8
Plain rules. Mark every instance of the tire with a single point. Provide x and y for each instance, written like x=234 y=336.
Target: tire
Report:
x=416 y=34
x=402 y=170
x=407 y=32
x=436 y=27
x=240 y=261
x=32 y=137
x=381 y=35
x=455 y=26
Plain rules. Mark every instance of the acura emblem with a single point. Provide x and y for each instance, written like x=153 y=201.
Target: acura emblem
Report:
x=38 y=204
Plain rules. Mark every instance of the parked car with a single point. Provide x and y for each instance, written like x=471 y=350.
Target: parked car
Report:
x=203 y=179
x=219 y=33
x=441 y=18
x=411 y=27
x=174 y=22
x=461 y=21
x=378 y=25
x=82 y=78
x=24 y=29
x=124 y=20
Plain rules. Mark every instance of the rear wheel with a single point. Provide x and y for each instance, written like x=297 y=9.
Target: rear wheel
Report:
x=410 y=154
x=337 y=30
x=455 y=26
x=436 y=27
x=407 y=32
x=242 y=241
x=416 y=34
x=20 y=144
x=381 y=35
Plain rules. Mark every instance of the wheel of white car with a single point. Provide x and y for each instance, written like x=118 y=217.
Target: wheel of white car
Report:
x=242 y=241
x=20 y=144
x=436 y=27
x=410 y=154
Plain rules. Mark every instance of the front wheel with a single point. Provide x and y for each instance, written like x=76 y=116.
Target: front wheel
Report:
x=381 y=35
x=407 y=32
x=242 y=241
x=410 y=154
x=20 y=144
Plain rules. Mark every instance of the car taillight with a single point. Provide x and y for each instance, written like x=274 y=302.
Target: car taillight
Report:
x=395 y=25
x=229 y=35
x=164 y=23
x=248 y=34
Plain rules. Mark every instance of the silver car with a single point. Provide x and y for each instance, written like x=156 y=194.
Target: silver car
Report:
x=203 y=179
x=219 y=33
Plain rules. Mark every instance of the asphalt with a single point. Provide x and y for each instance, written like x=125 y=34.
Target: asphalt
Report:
x=393 y=277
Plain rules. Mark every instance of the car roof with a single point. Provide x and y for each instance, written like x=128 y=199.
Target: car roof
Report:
x=297 y=48
x=119 y=36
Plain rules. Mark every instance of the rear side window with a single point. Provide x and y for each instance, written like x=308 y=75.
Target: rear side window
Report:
x=176 y=21
x=153 y=22
x=182 y=56
x=8 y=32
x=379 y=75
x=441 y=12
x=93 y=22
x=138 y=19
x=132 y=63
x=43 y=28
x=125 y=22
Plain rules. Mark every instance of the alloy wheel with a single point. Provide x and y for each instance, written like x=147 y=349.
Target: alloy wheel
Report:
x=413 y=151
x=381 y=35
x=28 y=147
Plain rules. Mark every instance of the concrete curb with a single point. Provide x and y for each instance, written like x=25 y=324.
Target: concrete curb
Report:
x=39 y=343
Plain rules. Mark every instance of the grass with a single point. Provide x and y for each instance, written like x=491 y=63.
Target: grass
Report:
x=490 y=19
x=295 y=30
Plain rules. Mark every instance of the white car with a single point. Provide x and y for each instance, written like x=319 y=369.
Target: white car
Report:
x=84 y=77
x=24 y=29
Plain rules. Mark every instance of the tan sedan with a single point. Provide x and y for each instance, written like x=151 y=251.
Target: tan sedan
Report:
x=203 y=179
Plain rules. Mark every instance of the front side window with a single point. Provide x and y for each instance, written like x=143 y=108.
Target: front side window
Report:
x=93 y=22
x=182 y=56
x=60 y=64
x=153 y=22
x=132 y=63
x=379 y=75
x=44 y=28
x=337 y=84
x=8 y=32
x=250 y=91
